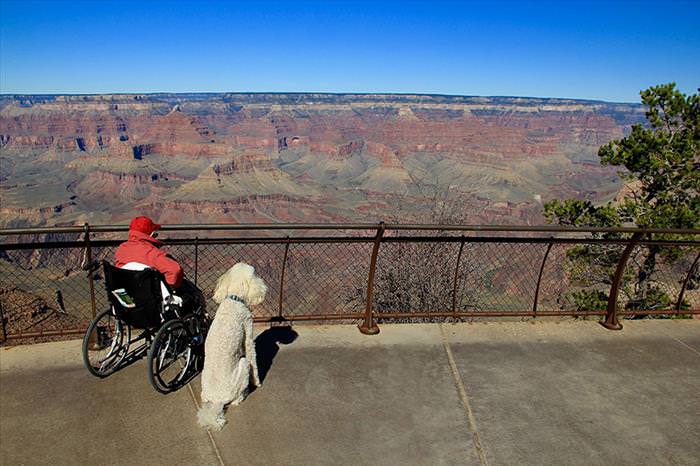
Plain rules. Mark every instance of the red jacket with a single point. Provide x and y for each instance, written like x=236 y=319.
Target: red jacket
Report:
x=144 y=249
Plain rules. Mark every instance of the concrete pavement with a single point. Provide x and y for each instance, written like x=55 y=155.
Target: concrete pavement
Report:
x=463 y=394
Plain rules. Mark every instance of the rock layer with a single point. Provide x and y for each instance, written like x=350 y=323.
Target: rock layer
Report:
x=300 y=157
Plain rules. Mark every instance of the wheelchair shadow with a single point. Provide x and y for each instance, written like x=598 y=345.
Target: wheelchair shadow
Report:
x=267 y=347
x=133 y=355
x=141 y=351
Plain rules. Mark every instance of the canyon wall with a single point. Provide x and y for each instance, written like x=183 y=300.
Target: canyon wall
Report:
x=218 y=158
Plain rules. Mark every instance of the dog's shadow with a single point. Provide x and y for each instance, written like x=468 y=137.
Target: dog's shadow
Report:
x=267 y=346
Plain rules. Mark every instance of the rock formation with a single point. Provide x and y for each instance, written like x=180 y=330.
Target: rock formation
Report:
x=298 y=157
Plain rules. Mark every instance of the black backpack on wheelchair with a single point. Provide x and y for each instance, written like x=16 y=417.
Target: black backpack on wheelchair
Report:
x=143 y=289
x=171 y=338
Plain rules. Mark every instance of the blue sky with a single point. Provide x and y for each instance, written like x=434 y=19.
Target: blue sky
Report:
x=607 y=50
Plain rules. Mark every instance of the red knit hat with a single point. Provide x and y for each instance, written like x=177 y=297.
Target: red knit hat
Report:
x=144 y=225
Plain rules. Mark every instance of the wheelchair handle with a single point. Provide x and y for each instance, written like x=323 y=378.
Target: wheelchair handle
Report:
x=92 y=266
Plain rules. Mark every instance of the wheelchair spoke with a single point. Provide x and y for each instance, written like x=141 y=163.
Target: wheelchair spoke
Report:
x=105 y=344
x=115 y=345
x=163 y=353
x=170 y=357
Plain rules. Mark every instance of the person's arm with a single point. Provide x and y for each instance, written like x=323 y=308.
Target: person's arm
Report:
x=168 y=267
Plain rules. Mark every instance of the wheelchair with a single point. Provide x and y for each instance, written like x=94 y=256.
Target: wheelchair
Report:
x=146 y=318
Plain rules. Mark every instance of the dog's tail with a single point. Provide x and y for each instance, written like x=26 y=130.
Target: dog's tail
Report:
x=211 y=415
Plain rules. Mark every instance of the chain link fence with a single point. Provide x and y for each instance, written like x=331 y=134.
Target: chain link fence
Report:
x=48 y=290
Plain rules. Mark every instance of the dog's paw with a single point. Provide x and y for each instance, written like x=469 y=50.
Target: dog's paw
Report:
x=218 y=424
x=214 y=425
x=211 y=416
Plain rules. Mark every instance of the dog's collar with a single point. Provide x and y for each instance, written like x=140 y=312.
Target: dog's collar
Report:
x=233 y=297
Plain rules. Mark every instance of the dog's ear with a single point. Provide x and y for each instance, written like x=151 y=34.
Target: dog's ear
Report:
x=257 y=289
x=221 y=289
x=241 y=289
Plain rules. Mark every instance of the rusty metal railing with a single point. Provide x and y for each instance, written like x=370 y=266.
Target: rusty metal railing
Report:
x=366 y=272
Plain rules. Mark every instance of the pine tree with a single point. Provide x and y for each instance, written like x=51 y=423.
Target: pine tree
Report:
x=661 y=161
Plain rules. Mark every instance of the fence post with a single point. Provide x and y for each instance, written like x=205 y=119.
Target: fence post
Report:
x=3 y=323
x=91 y=271
x=368 y=326
x=611 y=321
x=454 y=287
x=539 y=279
x=196 y=259
x=281 y=294
x=679 y=303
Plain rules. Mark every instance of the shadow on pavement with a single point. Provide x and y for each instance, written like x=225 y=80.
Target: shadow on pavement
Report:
x=267 y=346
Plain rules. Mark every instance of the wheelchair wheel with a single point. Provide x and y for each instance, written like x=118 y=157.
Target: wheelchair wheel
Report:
x=170 y=357
x=105 y=344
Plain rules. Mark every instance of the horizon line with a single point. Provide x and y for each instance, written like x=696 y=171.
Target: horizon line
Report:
x=332 y=93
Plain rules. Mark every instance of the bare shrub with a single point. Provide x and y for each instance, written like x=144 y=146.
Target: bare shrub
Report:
x=418 y=276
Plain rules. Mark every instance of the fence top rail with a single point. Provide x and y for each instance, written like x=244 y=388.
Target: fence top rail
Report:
x=355 y=239
x=348 y=226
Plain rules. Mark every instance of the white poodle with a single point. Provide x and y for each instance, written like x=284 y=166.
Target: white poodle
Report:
x=229 y=350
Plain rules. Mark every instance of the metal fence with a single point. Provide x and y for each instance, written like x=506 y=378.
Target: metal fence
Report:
x=369 y=272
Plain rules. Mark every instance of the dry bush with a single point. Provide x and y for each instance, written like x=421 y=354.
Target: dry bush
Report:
x=418 y=276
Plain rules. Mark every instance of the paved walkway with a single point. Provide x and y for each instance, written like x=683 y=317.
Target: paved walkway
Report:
x=465 y=394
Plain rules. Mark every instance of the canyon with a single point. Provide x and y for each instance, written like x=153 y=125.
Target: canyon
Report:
x=262 y=158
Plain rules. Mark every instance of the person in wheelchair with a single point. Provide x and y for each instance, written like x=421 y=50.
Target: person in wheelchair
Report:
x=149 y=296
x=142 y=250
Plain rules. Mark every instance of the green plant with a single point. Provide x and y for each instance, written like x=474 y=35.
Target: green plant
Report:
x=660 y=164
